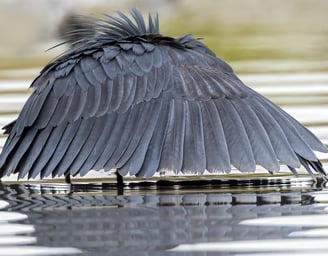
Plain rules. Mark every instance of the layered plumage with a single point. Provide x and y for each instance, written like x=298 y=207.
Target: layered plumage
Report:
x=126 y=97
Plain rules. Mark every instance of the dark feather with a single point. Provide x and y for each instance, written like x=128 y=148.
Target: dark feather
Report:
x=216 y=149
x=172 y=152
x=263 y=151
x=61 y=147
x=8 y=127
x=194 y=160
x=294 y=138
x=279 y=141
x=102 y=145
x=240 y=150
x=154 y=152
x=47 y=152
x=28 y=159
x=113 y=141
x=132 y=159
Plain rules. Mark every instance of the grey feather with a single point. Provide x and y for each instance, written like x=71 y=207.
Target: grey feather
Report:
x=261 y=145
x=61 y=148
x=117 y=93
x=194 y=160
x=132 y=159
x=138 y=50
x=47 y=111
x=129 y=93
x=105 y=95
x=97 y=125
x=113 y=140
x=141 y=88
x=18 y=149
x=75 y=146
x=28 y=159
x=80 y=78
x=111 y=68
x=145 y=62
x=135 y=69
x=306 y=135
x=92 y=103
x=61 y=111
x=294 y=138
x=240 y=150
x=88 y=64
x=99 y=74
x=102 y=145
x=109 y=53
x=151 y=79
x=216 y=149
x=155 y=148
x=31 y=110
x=60 y=85
x=132 y=128
x=76 y=105
x=279 y=141
x=172 y=152
x=158 y=57
x=47 y=152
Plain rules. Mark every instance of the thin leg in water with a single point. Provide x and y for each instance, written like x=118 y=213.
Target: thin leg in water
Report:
x=68 y=179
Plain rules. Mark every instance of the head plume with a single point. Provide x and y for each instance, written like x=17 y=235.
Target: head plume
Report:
x=81 y=30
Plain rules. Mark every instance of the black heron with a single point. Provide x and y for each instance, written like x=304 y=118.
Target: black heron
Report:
x=126 y=97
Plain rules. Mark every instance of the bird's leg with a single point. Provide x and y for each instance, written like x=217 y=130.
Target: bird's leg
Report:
x=119 y=179
x=119 y=183
x=68 y=178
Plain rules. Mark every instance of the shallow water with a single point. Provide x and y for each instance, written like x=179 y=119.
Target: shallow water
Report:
x=93 y=219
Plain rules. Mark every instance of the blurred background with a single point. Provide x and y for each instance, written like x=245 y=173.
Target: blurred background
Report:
x=236 y=30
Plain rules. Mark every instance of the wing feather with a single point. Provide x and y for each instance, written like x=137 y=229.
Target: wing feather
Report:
x=101 y=145
x=216 y=149
x=86 y=147
x=26 y=162
x=240 y=150
x=172 y=152
x=129 y=93
x=16 y=150
x=293 y=136
x=47 y=151
x=194 y=160
x=279 y=141
x=61 y=148
x=134 y=156
x=75 y=146
x=145 y=62
x=88 y=64
x=113 y=140
x=91 y=105
x=261 y=145
x=154 y=152
x=308 y=137
x=132 y=130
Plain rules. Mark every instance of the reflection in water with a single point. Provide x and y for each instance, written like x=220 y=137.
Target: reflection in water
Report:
x=14 y=237
x=97 y=221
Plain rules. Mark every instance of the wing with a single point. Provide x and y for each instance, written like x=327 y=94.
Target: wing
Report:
x=82 y=100
x=143 y=107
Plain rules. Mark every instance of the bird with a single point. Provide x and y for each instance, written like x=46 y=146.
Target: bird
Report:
x=124 y=96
